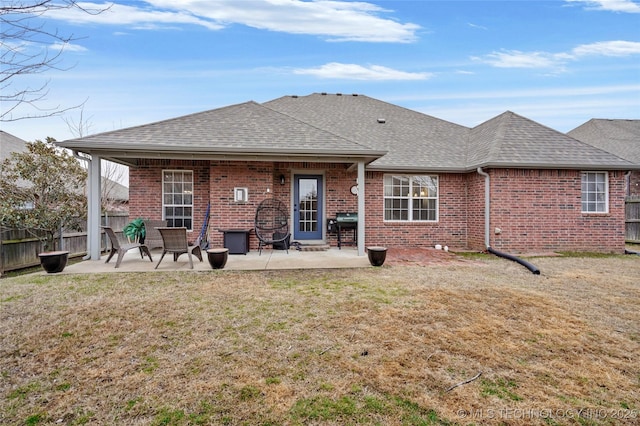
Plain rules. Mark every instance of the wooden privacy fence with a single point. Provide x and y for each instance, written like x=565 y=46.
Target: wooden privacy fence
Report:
x=19 y=248
x=632 y=219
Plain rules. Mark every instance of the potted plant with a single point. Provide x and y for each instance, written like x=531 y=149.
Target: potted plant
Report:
x=41 y=192
x=135 y=230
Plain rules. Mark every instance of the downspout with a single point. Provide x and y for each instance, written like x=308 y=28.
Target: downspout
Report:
x=487 y=205
x=89 y=195
x=487 y=221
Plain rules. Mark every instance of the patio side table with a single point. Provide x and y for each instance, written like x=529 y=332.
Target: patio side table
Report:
x=236 y=240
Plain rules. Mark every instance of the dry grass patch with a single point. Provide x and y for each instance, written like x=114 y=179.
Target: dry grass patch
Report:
x=370 y=346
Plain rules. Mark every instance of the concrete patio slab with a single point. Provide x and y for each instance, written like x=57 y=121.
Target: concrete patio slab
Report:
x=252 y=261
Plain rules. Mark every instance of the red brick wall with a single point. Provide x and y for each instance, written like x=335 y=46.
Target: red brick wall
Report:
x=540 y=210
x=476 y=208
x=145 y=189
x=536 y=210
x=449 y=230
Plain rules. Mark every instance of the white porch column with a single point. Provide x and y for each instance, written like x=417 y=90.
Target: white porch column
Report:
x=361 y=209
x=93 y=213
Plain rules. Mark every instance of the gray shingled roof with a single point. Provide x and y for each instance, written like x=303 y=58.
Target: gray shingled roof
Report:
x=620 y=137
x=244 y=129
x=414 y=141
x=345 y=127
x=510 y=140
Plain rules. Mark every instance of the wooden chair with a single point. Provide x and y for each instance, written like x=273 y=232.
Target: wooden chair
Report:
x=122 y=248
x=174 y=240
x=152 y=238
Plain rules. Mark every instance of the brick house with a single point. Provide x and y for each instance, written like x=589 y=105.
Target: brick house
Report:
x=413 y=180
x=620 y=137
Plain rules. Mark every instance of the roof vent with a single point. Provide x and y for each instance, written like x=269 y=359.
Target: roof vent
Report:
x=338 y=94
x=381 y=120
x=324 y=93
x=354 y=94
x=294 y=96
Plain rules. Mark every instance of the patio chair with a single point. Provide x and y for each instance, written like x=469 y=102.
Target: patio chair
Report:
x=122 y=248
x=152 y=238
x=272 y=225
x=174 y=240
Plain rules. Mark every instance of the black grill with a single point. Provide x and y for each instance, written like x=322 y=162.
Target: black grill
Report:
x=348 y=221
x=347 y=217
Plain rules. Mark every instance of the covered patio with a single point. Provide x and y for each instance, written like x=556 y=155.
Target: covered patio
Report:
x=231 y=159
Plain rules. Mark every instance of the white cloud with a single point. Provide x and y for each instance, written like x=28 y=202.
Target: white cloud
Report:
x=479 y=27
x=334 y=20
x=556 y=61
x=551 y=92
x=120 y=14
x=517 y=59
x=608 y=48
x=69 y=47
x=625 y=6
x=337 y=70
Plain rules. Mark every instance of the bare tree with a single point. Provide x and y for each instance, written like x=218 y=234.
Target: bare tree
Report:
x=29 y=46
x=81 y=127
x=112 y=173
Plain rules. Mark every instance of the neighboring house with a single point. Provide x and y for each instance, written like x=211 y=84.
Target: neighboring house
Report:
x=414 y=180
x=620 y=137
x=117 y=196
x=10 y=144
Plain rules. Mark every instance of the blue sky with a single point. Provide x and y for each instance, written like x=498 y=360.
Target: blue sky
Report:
x=559 y=62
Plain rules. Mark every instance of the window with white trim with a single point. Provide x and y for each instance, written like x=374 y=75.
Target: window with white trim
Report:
x=595 y=192
x=411 y=198
x=177 y=198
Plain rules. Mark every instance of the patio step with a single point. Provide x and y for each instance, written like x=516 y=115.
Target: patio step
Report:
x=314 y=247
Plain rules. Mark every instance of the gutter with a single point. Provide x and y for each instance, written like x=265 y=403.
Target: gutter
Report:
x=134 y=150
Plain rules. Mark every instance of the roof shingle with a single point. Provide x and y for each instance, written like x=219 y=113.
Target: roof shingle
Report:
x=620 y=137
x=332 y=126
x=413 y=140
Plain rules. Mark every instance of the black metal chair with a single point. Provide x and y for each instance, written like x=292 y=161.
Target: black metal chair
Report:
x=272 y=225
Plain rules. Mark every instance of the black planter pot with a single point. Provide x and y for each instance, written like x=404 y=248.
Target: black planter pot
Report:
x=54 y=261
x=377 y=255
x=217 y=257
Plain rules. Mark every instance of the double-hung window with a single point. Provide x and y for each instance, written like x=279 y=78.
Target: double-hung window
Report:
x=177 y=198
x=595 y=192
x=411 y=198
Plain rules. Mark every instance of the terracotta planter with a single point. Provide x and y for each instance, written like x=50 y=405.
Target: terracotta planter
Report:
x=217 y=257
x=54 y=261
x=377 y=255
